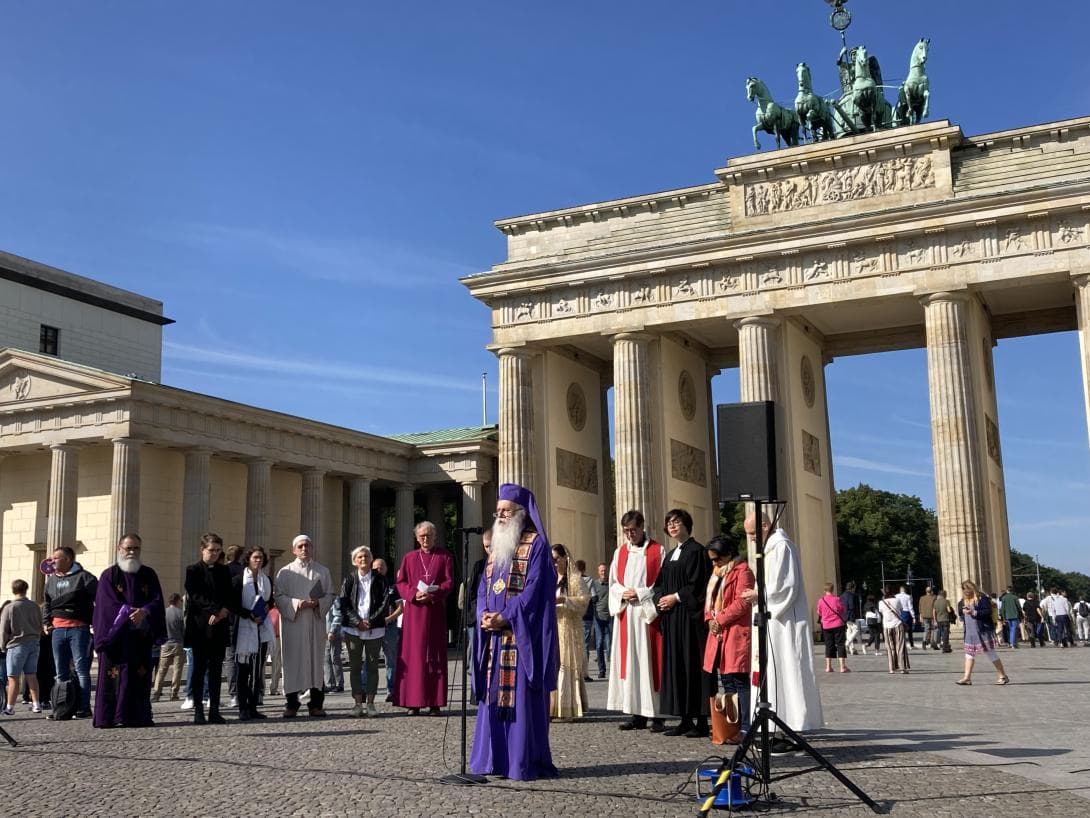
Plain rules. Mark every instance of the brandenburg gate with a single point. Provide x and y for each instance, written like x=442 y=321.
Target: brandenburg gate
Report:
x=916 y=236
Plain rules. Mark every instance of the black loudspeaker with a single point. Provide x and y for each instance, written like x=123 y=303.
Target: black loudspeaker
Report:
x=749 y=451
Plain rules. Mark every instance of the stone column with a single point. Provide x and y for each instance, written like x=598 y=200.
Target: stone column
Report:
x=609 y=487
x=472 y=516
x=954 y=440
x=359 y=514
x=310 y=511
x=1082 y=311
x=258 y=494
x=196 y=505
x=516 y=418
x=404 y=510
x=63 y=495
x=125 y=489
x=633 y=466
x=758 y=354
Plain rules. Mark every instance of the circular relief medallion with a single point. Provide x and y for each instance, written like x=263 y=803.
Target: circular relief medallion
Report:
x=577 y=407
x=686 y=395
x=809 y=386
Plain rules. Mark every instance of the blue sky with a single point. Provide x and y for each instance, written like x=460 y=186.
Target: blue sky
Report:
x=302 y=184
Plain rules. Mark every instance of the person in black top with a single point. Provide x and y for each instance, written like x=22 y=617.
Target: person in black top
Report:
x=679 y=594
x=209 y=602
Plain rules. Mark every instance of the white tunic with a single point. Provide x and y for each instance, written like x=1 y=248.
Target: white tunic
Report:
x=634 y=694
x=303 y=633
x=792 y=687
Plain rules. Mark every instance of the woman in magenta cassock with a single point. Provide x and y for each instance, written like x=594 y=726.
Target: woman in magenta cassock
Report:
x=516 y=658
x=422 y=666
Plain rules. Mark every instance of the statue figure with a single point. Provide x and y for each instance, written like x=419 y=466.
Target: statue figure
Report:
x=914 y=89
x=814 y=113
x=772 y=117
x=863 y=105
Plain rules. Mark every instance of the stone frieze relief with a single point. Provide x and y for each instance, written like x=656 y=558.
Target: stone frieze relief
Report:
x=900 y=175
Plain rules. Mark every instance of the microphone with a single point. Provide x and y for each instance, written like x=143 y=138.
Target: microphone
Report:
x=475 y=530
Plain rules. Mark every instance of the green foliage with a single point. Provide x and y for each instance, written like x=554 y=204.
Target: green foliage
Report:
x=1024 y=573
x=879 y=528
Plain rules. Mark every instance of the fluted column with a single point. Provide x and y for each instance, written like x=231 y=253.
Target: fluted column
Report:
x=635 y=488
x=310 y=511
x=1082 y=311
x=609 y=486
x=258 y=493
x=435 y=514
x=758 y=353
x=125 y=489
x=196 y=504
x=63 y=494
x=516 y=418
x=359 y=513
x=404 y=511
x=954 y=440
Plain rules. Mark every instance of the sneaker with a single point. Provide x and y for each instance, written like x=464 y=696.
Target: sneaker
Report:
x=8 y=711
x=357 y=712
x=35 y=708
x=187 y=704
x=231 y=705
x=82 y=714
x=371 y=709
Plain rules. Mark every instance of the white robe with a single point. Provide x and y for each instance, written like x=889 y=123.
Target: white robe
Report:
x=792 y=687
x=303 y=633
x=635 y=694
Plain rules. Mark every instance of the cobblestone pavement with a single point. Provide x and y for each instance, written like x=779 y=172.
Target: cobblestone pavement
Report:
x=917 y=744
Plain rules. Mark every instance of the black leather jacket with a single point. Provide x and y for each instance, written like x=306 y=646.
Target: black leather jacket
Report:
x=379 y=607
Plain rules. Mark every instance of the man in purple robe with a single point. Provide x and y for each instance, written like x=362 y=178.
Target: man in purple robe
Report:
x=516 y=655
x=424 y=581
x=129 y=619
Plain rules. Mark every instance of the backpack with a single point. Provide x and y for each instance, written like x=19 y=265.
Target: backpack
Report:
x=1084 y=610
x=65 y=697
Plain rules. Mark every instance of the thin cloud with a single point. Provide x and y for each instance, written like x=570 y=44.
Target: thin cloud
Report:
x=357 y=260
x=366 y=375
x=846 y=461
x=1057 y=522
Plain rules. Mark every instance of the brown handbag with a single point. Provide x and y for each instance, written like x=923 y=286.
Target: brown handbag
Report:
x=726 y=723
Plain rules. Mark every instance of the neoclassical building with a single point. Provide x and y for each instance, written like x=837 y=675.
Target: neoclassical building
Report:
x=92 y=445
x=914 y=237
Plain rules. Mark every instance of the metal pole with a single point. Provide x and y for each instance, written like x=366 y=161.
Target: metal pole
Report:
x=484 y=398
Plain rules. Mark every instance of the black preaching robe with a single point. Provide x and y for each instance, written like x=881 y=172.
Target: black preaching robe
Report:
x=683 y=630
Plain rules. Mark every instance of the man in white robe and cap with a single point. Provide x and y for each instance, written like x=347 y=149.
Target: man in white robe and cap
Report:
x=635 y=672
x=792 y=687
x=304 y=593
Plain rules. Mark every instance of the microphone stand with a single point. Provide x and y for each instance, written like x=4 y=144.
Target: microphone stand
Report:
x=465 y=778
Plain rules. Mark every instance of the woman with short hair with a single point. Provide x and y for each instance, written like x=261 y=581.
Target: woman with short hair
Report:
x=364 y=604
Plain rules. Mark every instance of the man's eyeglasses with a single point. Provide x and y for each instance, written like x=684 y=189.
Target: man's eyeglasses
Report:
x=503 y=514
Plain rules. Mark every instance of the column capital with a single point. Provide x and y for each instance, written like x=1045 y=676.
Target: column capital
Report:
x=259 y=461
x=126 y=441
x=769 y=321
x=200 y=451
x=945 y=297
x=514 y=352
x=360 y=479
x=405 y=487
x=477 y=483
x=637 y=337
x=1080 y=278
x=63 y=447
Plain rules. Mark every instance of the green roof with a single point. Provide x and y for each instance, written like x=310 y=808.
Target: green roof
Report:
x=460 y=435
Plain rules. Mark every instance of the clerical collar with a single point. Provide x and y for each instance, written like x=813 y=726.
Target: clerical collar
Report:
x=642 y=543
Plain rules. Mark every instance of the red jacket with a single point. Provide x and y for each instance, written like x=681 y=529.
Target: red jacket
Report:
x=731 y=646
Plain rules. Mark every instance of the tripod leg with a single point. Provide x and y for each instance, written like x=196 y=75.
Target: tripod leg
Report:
x=805 y=746
x=8 y=738
x=755 y=732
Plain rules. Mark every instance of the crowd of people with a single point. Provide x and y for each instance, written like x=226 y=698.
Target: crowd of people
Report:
x=671 y=623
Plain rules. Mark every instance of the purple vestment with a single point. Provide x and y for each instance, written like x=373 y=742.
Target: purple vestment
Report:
x=422 y=665
x=518 y=748
x=125 y=669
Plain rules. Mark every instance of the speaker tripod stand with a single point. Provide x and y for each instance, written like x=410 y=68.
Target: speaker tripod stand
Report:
x=759 y=735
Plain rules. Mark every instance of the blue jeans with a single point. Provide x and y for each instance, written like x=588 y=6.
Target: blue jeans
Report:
x=603 y=629
x=738 y=683
x=1012 y=632
x=391 y=649
x=72 y=646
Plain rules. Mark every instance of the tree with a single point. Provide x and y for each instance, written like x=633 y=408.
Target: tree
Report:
x=879 y=528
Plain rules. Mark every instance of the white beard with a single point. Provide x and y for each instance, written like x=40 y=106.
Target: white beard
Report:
x=130 y=565
x=506 y=533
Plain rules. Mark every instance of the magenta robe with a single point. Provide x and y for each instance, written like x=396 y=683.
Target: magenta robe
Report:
x=422 y=665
